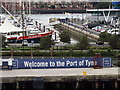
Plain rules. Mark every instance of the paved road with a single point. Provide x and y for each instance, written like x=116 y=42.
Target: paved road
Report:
x=58 y=72
x=83 y=27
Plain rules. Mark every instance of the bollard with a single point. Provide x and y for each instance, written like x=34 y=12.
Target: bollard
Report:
x=17 y=86
x=96 y=85
x=38 y=83
x=103 y=85
x=59 y=86
x=116 y=85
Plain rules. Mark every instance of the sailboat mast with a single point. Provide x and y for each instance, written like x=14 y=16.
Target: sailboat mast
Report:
x=8 y=12
x=20 y=6
x=29 y=7
x=0 y=13
x=108 y=15
x=25 y=33
x=23 y=7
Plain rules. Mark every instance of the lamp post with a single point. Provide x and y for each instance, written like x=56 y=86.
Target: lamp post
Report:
x=32 y=49
x=86 y=9
x=12 y=53
x=98 y=11
x=72 y=18
x=51 y=52
x=23 y=27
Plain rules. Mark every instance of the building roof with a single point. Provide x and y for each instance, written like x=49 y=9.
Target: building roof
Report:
x=8 y=27
x=103 y=10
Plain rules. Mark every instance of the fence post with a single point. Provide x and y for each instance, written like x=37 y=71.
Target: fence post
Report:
x=12 y=53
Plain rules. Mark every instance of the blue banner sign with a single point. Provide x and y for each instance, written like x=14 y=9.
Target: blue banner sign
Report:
x=60 y=63
x=107 y=62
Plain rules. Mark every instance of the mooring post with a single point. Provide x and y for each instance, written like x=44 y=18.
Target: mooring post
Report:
x=57 y=86
x=0 y=85
x=17 y=86
x=116 y=85
x=77 y=83
x=63 y=85
x=96 y=85
x=23 y=86
x=3 y=87
x=38 y=83
x=82 y=84
x=103 y=85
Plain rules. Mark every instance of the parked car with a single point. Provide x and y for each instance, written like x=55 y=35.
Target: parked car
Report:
x=100 y=42
x=97 y=28
x=114 y=31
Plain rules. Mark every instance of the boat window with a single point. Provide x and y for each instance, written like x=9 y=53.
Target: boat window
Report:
x=29 y=24
x=21 y=34
x=8 y=33
x=116 y=30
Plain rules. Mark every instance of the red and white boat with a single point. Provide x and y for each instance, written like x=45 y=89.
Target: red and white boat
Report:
x=17 y=35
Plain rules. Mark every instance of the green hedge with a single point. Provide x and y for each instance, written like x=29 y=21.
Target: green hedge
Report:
x=64 y=53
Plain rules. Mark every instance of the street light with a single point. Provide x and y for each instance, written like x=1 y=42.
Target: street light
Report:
x=51 y=52
x=98 y=11
x=32 y=49
x=72 y=18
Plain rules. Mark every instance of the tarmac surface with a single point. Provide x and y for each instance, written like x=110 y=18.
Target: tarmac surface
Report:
x=59 y=72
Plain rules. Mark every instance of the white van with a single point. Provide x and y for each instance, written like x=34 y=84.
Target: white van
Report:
x=24 y=43
x=114 y=31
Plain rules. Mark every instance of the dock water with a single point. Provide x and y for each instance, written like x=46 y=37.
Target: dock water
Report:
x=62 y=83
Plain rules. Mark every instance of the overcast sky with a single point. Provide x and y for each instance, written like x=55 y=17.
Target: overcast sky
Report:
x=64 y=0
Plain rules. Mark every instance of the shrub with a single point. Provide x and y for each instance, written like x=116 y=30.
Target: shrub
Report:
x=90 y=52
x=118 y=64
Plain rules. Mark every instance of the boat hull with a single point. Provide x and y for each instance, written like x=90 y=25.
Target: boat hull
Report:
x=35 y=40
x=30 y=38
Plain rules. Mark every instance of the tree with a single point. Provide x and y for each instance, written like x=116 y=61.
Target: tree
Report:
x=46 y=42
x=104 y=36
x=114 y=41
x=83 y=43
x=3 y=41
x=64 y=37
x=118 y=64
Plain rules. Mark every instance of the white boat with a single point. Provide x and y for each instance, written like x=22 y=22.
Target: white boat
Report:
x=17 y=35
